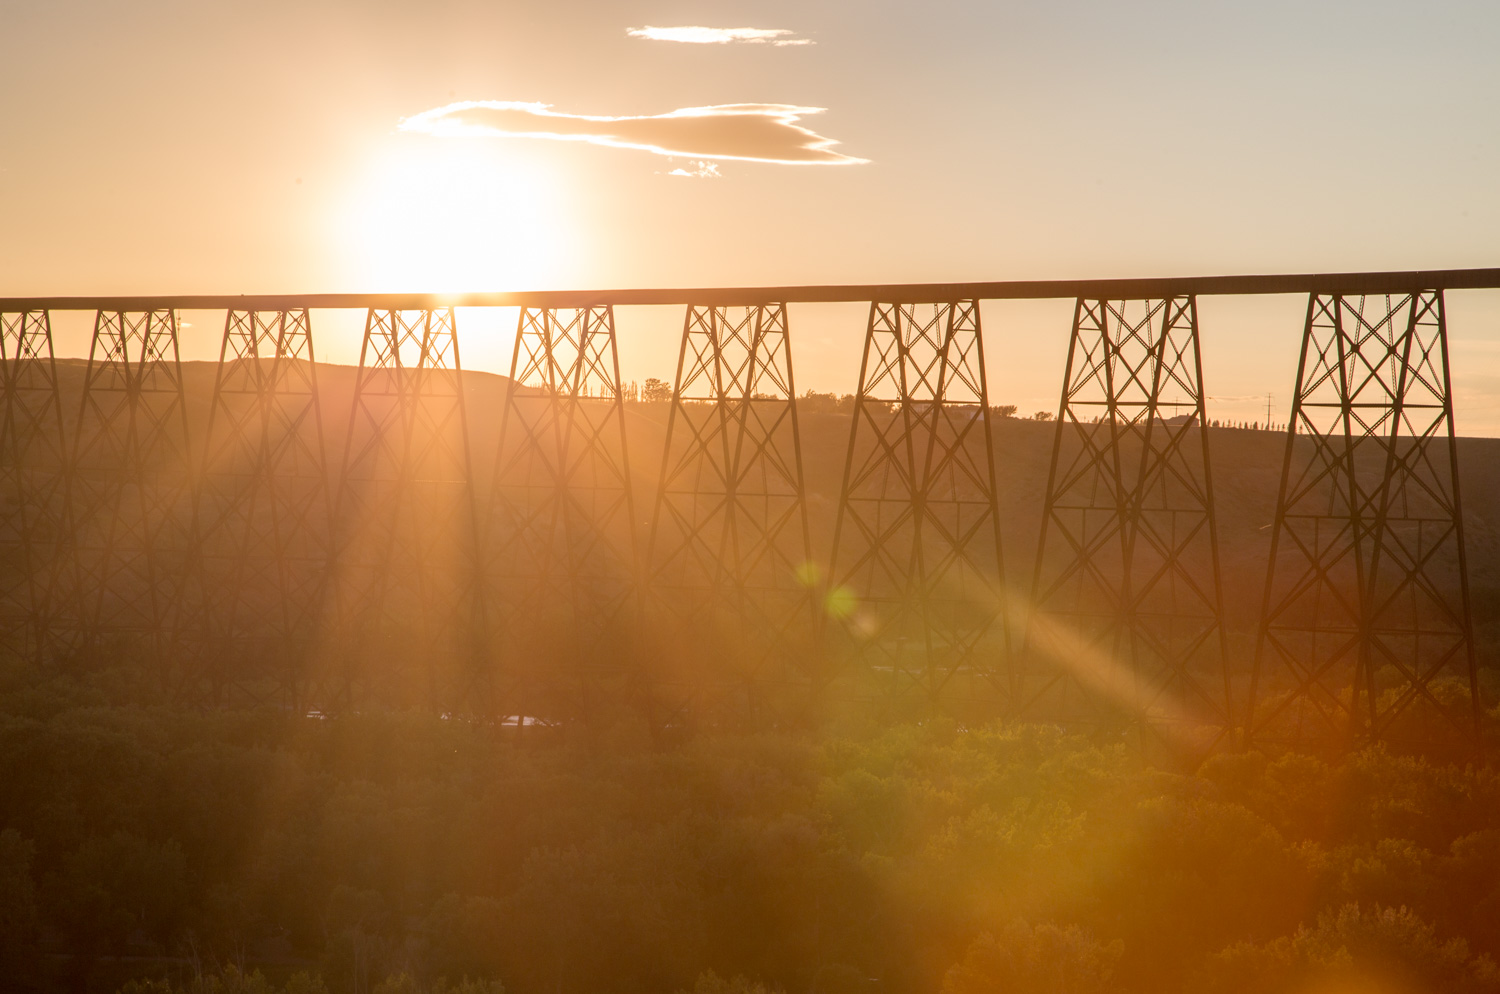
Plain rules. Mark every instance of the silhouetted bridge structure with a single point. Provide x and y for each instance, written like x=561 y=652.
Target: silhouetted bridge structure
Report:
x=226 y=550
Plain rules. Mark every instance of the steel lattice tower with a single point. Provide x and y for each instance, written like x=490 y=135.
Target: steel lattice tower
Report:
x=262 y=511
x=1366 y=610
x=729 y=543
x=130 y=484
x=917 y=538
x=407 y=611
x=561 y=572
x=33 y=499
x=1126 y=621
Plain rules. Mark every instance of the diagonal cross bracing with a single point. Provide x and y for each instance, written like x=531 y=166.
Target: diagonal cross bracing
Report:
x=561 y=574
x=1125 y=625
x=1366 y=630
x=129 y=484
x=729 y=543
x=917 y=565
x=262 y=512
x=33 y=497
x=405 y=595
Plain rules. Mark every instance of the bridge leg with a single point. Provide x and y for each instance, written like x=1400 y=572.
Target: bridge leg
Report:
x=1366 y=630
x=919 y=579
x=1125 y=628
x=262 y=513
x=561 y=571
x=33 y=498
x=729 y=547
x=130 y=485
x=406 y=574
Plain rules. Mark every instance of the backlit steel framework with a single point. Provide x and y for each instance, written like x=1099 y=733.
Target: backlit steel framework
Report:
x=130 y=486
x=1366 y=621
x=406 y=595
x=1126 y=622
x=917 y=569
x=729 y=548
x=1366 y=631
x=262 y=513
x=33 y=499
x=561 y=568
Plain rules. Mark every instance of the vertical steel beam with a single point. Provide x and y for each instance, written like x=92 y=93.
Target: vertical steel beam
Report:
x=33 y=496
x=130 y=485
x=262 y=512
x=407 y=613
x=561 y=572
x=1366 y=629
x=1125 y=627
x=917 y=568
x=729 y=544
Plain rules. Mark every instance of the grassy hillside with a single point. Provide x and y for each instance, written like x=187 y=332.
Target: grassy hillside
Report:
x=1246 y=468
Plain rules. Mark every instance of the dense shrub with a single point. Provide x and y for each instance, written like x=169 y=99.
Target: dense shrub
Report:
x=398 y=852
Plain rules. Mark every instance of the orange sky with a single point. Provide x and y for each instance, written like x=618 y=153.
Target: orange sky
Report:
x=231 y=147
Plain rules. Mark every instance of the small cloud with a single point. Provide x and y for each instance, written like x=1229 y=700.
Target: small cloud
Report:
x=698 y=35
x=700 y=170
x=752 y=132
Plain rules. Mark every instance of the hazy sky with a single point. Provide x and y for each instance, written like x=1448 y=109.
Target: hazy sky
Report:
x=243 y=147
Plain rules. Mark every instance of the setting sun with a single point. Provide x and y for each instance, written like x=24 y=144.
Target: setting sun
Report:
x=453 y=215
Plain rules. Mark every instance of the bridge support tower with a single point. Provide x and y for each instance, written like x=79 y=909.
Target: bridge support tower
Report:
x=1126 y=630
x=917 y=600
x=562 y=576
x=407 y=615
x=262 y=514
x=130 y=492
x=1366 y=629
x=33 y=498
x=729 y=548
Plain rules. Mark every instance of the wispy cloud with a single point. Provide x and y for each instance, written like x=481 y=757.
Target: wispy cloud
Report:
x=751 y=132
x=699 y=35
x=700 y=170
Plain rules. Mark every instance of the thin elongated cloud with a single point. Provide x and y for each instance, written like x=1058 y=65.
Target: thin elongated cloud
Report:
x=750 y=132
x=699 y=35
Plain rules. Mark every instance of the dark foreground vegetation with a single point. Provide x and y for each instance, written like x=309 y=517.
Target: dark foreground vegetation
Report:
x=165 y=849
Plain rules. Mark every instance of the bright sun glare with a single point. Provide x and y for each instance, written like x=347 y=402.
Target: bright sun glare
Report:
x=453 y=215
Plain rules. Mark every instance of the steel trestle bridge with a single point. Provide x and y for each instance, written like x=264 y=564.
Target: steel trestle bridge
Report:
x=229 y=551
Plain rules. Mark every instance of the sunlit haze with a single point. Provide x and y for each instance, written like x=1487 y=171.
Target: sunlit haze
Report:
x=168 y=147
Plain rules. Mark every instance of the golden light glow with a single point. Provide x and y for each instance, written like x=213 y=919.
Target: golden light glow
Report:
x=453 y=215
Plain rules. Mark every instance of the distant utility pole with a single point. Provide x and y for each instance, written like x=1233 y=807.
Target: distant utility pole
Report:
x=1268 y=412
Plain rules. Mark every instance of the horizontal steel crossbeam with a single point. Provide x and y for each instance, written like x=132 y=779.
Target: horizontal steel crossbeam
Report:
x=897 y=293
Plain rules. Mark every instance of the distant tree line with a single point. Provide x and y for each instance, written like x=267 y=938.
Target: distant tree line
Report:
x=656 y=391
